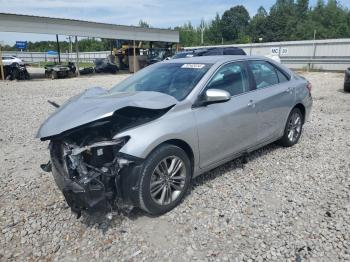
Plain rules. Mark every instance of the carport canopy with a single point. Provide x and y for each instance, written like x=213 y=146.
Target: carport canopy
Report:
x=69 y=27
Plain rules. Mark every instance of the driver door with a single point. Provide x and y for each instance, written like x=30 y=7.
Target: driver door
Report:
x=228 y=128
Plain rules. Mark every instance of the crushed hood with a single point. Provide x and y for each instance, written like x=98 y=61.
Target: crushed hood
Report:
x=97 y=103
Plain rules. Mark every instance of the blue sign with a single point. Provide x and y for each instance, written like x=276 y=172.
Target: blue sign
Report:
x=21 y=44
x=52 y=52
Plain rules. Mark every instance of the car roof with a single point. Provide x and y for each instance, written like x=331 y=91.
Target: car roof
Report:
x=215 y=59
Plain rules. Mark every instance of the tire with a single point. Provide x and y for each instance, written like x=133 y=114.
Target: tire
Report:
x=346 y=88
x=292 y=132
x=54 y=75
x=157 y=202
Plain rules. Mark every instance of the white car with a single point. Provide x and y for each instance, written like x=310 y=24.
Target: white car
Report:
x=9 y=60
x=274 y=57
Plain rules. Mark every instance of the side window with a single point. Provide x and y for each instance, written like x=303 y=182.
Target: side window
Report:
x=231 y=78
x=264 y=74
x=281 y=77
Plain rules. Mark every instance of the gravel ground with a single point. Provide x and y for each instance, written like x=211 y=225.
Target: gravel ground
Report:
x=289 y=204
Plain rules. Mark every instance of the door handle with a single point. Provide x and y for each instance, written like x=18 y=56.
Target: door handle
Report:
x=251 y=104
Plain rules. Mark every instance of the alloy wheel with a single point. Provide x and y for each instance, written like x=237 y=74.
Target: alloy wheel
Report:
x=294 y=127
x=168 y=180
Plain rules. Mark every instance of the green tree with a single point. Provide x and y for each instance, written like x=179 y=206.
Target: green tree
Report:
x=214 y=31
x=258 y=25
x=143 y=24
x=281 y=21
x=302 y=8
x=234 y=23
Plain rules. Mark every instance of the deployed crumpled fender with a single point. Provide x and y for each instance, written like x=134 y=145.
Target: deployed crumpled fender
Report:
x=97 y=103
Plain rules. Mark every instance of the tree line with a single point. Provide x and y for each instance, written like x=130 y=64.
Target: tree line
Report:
x=287 y=20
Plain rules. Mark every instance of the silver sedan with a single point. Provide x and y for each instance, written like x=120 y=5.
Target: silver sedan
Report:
x=141 y=142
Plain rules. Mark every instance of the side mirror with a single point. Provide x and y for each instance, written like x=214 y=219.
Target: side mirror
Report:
x=216 y=96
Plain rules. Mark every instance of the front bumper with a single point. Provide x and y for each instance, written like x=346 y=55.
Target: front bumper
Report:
x=80 y=196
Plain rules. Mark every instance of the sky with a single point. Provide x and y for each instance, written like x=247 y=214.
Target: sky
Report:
x=158 y=13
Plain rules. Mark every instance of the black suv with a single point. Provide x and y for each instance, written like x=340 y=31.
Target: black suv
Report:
x=210 y=51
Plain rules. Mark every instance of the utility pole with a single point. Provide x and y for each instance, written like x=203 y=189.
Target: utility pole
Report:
x=202 y=35
x=1 y=65
x=77 y=55
x=58 y=50
x=313 y=53
x=134 y=58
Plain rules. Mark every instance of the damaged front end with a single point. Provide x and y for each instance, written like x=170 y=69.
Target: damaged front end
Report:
x=88 y=167
x=88 y=175
x=85 y=159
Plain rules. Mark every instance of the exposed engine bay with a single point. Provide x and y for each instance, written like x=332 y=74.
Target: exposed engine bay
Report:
x=87 y=165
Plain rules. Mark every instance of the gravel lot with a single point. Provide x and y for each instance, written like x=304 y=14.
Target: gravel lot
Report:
x=285 y=204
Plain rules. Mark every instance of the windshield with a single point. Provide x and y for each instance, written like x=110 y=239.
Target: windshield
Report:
x=175 y=79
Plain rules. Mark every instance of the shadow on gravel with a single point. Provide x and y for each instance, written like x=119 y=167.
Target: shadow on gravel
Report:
x=100 y=220
x=341 y=90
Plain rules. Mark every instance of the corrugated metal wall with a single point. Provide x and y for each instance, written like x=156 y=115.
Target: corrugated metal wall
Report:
x=331 y=54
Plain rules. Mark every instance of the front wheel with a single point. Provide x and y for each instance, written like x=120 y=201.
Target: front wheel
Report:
x=293 y=128
x=165 y=178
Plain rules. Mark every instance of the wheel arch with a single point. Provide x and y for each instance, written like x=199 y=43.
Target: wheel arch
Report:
x=184 y=146
x=302 y=109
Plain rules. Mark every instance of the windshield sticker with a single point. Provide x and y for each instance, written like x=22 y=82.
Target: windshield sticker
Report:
x=195 y=66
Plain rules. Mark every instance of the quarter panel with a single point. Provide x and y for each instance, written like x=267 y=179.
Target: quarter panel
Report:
x=273 y=105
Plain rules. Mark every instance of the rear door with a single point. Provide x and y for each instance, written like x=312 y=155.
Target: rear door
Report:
x=274 y=97
x=230 y=127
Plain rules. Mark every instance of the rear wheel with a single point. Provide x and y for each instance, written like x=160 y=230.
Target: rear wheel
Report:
x=165 y=178
x=54 y=75
x=347 y=88
x=293 y=129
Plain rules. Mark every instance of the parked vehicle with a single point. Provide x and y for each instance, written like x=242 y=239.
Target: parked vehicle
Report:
x=219 y=51
x=9 y=60
x=16 y=71
x=213 y=51
x=158 y=55
x=347 y=80
x=86 y=70
x=143 y=141
x=104 y=65
x=56 y=71
x=274 y=57
x=183 y=54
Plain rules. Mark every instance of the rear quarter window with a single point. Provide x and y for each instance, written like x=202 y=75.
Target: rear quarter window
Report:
x=266 y=74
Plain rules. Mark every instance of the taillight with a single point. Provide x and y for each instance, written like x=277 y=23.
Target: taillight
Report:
x=309 y=86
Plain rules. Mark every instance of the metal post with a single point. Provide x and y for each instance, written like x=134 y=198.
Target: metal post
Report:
x=58 y=50
x=202 y=35
x=314 y=51
x=77 y=55
x=134 y=56
x=1 y=66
